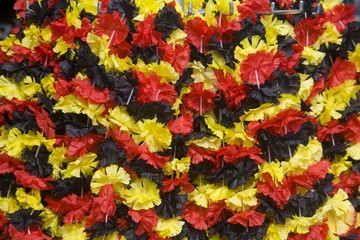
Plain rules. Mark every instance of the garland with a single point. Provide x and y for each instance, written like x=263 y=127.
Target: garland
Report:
x=142 y=122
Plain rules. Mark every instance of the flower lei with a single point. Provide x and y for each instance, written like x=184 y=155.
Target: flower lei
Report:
x=142 y=122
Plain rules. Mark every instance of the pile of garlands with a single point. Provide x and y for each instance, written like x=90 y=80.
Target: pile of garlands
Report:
x=139 y=121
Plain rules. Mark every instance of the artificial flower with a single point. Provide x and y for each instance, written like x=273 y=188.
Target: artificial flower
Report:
x=82 y=165
x=112 y=174
x=169 y=227
x=156 y=136
x=143 y=194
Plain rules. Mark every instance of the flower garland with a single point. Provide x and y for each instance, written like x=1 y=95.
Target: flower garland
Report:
x=142 y=122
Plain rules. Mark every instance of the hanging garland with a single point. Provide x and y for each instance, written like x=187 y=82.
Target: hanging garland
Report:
x=142 y=122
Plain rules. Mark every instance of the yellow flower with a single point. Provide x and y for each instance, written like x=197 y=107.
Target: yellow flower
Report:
x=354 y=151
x=84 y=164
x=9 y=89
x=312 y=56
x=256 y=44
x=98 y=45
x=274 y=169
x=238 y=136
x=75 y=231
x=340 y=165
x=211 y=142
x=266 y=110
x=147 y=7
x=306 y=84
x=161 y=68
x=355 y=57
x=29 y=200
x=275 y=27
x=330 y=4
x=200 y=195
x=34 y=36
x=90 y=6
x=179 y=166
x=61 y=47
x=14 y=142
x=301 y=225
x=50 y=220
x=330 y=35
x=29 y=87
x=156 y=135
x=56 y=159
x=169 y=227
x=9 y=205
x=216 y=128
x=119 y=117
x=143 y=194
x=204 y=75
x=277 y=232
x=73 y=14
x=47 y=83
x=177 y=36
x=217 y=193
x=72 y=104
x=112 y=174
x=339 y=213
x=242 y=200
x=304 y=157
x=115 y=64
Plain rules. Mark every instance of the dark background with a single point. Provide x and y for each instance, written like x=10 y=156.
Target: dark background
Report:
x=7 y=14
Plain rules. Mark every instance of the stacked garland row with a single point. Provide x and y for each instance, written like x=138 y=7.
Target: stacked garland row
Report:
x=138 y=121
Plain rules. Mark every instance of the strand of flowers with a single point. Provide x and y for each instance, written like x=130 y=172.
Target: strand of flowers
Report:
x=141 y=122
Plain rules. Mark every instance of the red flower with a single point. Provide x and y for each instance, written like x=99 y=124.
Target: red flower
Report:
x=198 y=154
x=308 y=30
x=199 y=99
x=166 y=51
x=249 y=218
x=84 y=89
x=71 y=32
x=246 y=12
x=341 y=15
x=25 y=179
x=326 y=132
x=152 y=159
x=232 y=91
x=181 y=57
x=146 y=35
x=79 y=145
x=124 y=140
x=258 y=67
x=198 y=33
x=293 y=60
x=234 y=153
x=43 y=120
x=152 y=90
x=146 y=219
x=287 y=121
x=9 y=164
x=104 y=205
x=280 y=194
x=258 y=5
x=195 y=215
x=117 y=33
x=348 y=182
x=353 y=130
x=182 y=125
x=316 y=89
x=340 y=71
x=72 y=207
x=43 y=53
x=183 y=181
x=225 y=28
x=318 y=232
x=33 y=233
x=214 y=213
